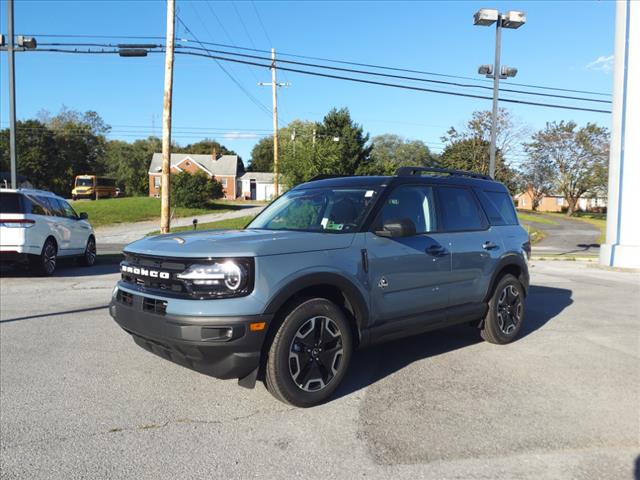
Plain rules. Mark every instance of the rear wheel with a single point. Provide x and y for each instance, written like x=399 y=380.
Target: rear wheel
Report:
x=90 y=253
x=309 y=354
x=45 y=263
x=506 y=312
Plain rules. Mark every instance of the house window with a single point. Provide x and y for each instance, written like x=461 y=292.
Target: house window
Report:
x=559 y=201
x=223 y=181
x=156 y=181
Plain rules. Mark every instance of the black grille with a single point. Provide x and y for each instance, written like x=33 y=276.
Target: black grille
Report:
x=154 y=306
x=125 y=297
x=155 y=274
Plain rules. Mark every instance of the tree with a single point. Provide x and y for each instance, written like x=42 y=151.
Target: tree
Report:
x=538 y=177
x=579 y=155
x=391 y=151
x=128 y=163
x=262 y=156
x=353 y=145
x=194 y=190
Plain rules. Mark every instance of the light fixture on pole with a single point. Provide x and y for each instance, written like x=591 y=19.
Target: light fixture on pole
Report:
x=512 y=19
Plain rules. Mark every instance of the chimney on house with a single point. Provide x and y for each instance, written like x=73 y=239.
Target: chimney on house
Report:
x=214 y=153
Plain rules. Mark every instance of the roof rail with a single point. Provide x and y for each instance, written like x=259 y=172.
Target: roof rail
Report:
x=410 y=171
x=324 y=177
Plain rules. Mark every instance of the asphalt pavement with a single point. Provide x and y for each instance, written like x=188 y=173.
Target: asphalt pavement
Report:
x=78 y=399
x=567 y=237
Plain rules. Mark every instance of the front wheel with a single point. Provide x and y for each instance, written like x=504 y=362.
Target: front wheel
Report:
x=506 y=312
x=89 y=256
x=309 y=354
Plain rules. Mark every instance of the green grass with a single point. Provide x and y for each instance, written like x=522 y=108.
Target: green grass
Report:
x=535 y=218
x=229 y=224
x=136 y=209
x=535 y=234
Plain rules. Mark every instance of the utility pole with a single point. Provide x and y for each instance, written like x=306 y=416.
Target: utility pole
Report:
x=12 y=93
x=165 y=191
x=274 y=96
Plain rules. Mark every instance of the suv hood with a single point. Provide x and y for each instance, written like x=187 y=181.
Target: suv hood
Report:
x=238 y=243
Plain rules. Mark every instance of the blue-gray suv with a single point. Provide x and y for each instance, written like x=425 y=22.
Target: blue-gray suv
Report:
x=332 y=265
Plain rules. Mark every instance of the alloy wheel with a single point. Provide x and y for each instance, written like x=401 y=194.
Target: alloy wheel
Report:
x=90 y=253
x=315 y=355
x=49 y=256
x=509 y=309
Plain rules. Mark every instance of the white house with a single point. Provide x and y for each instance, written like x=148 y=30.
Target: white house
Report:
x=256 y=186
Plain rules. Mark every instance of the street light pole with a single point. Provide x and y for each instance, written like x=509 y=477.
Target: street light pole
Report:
x=12 y=93
x=496 y=92
x=511 y=19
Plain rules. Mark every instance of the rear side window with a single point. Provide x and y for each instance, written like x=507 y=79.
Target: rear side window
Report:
x=11 y=202
x=459 y=210
x=499 y=207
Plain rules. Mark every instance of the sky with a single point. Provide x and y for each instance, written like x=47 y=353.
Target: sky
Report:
x=563 y=44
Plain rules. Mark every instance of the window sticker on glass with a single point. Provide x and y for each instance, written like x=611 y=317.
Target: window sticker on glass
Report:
x=334 y=226
x=369 y=193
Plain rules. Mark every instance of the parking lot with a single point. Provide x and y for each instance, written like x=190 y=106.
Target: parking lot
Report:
x=79 y=399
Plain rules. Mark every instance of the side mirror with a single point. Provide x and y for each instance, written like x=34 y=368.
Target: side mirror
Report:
x=83 y=216
x=399 y=227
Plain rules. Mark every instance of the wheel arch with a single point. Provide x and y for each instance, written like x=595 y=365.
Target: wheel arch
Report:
x=331 y=286
x=510 y=264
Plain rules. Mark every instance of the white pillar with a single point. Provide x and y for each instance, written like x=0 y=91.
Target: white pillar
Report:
x=622 y=247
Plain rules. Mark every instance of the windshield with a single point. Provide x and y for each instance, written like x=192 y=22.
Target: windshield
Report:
x=328 y=210
x=84 y=182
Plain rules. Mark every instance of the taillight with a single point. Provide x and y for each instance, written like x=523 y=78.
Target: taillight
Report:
x=17 y=223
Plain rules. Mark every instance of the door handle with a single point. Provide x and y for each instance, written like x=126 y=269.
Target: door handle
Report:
x=436 y=250
x=489 y=245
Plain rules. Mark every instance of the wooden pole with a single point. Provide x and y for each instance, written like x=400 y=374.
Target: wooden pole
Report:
x=274 y=94
x=165 y=205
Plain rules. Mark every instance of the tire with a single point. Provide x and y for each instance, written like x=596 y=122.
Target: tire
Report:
x=310 y=353
x=89 y=257
x=74 y=198
x=45 y=263
x=505 y=316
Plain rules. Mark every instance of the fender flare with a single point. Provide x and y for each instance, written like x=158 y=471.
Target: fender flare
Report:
x=504 y=262
x=353 y=295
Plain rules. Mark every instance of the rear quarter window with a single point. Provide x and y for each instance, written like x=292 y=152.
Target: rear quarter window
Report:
x=498 y=207
x=11 y=202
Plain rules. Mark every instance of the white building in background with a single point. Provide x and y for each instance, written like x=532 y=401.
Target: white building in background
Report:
x=256 y=186
x=622 y=247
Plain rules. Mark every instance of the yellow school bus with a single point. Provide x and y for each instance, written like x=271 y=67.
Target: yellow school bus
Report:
x=94 y=187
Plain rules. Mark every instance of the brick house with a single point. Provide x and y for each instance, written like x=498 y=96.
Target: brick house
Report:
x=222 y=168
x=555 y=203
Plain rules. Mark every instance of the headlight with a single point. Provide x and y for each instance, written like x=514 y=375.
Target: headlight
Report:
x=220 y=279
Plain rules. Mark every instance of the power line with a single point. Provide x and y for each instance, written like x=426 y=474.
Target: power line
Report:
x=233 y=79
x=308 y=57
x=365 y=72
x=357 y=80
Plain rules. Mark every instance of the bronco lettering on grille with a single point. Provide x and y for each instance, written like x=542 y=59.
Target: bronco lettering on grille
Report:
x=145 y=272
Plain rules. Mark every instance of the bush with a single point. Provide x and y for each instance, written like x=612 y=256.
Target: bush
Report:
x=194 y=190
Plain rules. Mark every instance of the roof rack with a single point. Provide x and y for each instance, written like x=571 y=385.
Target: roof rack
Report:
x=324 y=177
x=410 y=171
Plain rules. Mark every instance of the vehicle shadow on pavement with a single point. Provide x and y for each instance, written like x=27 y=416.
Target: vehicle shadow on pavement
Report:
x=372 y=364
x=67 y=268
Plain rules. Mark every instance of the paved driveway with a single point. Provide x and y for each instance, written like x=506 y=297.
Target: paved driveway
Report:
x=80 y=400
x=567 y=237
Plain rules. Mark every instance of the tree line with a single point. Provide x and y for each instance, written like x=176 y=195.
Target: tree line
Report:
x=561 y=158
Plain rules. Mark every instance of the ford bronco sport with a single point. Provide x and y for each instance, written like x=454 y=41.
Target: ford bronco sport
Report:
x=332 y=265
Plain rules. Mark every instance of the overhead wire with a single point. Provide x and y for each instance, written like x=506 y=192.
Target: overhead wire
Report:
x=308 y=57
x=218 y=58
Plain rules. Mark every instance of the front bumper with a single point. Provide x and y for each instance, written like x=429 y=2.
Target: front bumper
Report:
x=83 y=194
x=222 y=347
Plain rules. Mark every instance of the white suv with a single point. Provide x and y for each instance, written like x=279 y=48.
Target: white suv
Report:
x=38 y=227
